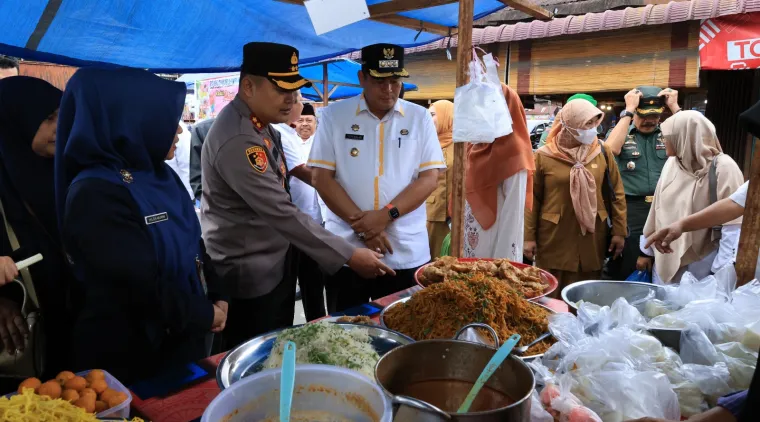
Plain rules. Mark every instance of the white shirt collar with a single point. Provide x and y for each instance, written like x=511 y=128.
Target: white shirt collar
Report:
x=362 y=106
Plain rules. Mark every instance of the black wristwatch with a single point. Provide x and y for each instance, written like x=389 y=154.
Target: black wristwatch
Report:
x=626 y=113
x=393 y=212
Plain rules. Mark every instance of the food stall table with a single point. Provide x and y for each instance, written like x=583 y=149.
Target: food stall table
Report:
x=188 y=402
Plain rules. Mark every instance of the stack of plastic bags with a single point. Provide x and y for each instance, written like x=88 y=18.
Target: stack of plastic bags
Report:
x=606 y=364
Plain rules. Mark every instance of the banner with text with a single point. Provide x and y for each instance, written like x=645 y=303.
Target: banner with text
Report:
x=730 y=43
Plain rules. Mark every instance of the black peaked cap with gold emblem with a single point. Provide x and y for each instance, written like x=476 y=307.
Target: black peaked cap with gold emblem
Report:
x=384 y=61
x=650 y=103
x=276 y=62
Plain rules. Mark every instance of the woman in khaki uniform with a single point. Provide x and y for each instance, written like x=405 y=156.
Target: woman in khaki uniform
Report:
x=567 y=230
x=438 y=202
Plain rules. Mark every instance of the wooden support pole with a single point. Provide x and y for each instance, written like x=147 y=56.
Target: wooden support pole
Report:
x=464 y=56
x=749 y=241
x=325 y=94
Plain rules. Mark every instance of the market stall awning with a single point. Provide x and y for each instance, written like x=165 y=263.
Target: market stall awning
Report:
x=342 y=78
x=207 y=36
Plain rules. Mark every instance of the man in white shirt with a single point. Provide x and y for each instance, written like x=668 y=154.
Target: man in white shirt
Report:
x=304 y=196
x=181 y=161
x=375 y=161
x=307 y=123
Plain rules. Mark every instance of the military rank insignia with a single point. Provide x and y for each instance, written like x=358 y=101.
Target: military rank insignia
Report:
x=257 y=157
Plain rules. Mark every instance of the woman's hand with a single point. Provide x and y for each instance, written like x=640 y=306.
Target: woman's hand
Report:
x=644 y=263
x=662 y=239
x=529 y=249
x=8 y=270
x=617 y=243
x=13 y=328
x=220 y=316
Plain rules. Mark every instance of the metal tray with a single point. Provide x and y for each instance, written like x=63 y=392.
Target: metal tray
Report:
x=604 y=293
x=249 y=357
x=525 y=358
x=545 y=275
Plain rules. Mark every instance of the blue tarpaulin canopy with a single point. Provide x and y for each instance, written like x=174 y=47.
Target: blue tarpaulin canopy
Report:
x=184 y=36
x=342 y=80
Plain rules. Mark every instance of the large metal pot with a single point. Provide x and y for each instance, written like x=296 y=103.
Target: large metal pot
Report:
x=453 y=360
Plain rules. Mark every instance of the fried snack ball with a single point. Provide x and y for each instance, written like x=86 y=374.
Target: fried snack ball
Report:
x=32 y=383
x=51 y=389
x=89 y=392
x=95 y=374
x=100 y=406
x=104 y=396
x=86 y=403
x=76 y=383
x=116 y=399
x=64 y=376
x=70 y=395
x=99 y=386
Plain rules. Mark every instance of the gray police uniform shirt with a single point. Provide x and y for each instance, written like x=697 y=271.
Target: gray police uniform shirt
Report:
x=248 y=219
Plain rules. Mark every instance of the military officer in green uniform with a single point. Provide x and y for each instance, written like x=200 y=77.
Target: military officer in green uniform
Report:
x=545 y=135
x=639 y=149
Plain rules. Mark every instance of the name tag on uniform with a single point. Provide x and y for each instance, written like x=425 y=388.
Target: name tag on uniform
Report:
x=355 y=137
x=659 y=146
x=156 y=218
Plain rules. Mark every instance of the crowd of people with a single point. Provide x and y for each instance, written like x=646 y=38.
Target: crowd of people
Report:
x=153 y=262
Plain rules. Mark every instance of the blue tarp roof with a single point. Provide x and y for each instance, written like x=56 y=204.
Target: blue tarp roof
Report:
x=183 y=36
x=338 y=71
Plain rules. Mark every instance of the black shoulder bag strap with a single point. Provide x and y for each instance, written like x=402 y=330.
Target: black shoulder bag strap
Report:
x=713 y=184
x=608 y=192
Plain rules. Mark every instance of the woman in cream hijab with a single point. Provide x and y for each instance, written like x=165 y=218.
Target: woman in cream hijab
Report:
x=684 y=189
x=438 y=202
x=568 y=230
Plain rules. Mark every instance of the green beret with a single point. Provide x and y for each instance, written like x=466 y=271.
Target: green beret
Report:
x=583 y=97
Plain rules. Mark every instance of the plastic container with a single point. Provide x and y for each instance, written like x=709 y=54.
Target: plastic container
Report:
x=339 y=391
x=120 y=411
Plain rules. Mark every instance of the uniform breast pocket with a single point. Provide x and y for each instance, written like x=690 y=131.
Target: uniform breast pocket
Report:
x=660 y=152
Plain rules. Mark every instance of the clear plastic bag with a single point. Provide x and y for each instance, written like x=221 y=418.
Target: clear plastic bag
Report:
x=712 y=381
x=690 y=398
x=741 y=363
x=696 y=348
x=570 y=407
x=502 y=117
x=480 y=109
x=537 y=412
x=691 y=289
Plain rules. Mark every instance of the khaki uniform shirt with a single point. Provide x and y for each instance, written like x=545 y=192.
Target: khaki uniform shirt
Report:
x=641 y=159
x=248 y=219
x=438 y=201
x=552 y=223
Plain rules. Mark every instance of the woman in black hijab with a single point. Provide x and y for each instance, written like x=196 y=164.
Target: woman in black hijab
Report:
x=28 y=118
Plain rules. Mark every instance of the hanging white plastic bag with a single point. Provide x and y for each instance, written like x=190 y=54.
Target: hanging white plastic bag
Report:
x=477 y=106
x=501 y=115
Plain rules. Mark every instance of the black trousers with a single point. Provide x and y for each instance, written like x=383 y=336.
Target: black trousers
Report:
x=312 y=283
x=638 y=211
x=346 y=289
x=249 y=318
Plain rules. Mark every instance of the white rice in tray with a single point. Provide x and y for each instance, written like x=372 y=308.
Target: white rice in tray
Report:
x=327 y=344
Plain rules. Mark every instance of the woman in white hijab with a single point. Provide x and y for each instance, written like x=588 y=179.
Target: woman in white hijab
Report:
x=684 y=189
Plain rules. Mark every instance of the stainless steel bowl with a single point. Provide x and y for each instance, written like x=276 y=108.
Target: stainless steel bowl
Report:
x=605 y=293
x=249 y=357
x=525 y=358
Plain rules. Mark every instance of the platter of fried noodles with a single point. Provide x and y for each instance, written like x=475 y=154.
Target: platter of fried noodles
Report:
x=531 y=282
x=441 y=309
x=29 y=406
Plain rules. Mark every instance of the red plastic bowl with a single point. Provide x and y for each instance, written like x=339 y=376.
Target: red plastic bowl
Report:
x=545 y=275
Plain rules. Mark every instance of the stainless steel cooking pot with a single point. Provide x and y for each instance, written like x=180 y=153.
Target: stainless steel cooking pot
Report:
x=453 y=360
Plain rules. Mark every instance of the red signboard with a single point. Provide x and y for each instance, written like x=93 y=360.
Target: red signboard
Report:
x=730 y=42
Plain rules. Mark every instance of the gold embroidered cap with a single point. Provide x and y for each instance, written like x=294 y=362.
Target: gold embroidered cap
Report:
x=650 y=103
x=384 y=61
x=276 y=62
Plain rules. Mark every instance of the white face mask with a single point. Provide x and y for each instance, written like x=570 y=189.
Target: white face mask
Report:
x=584 y=136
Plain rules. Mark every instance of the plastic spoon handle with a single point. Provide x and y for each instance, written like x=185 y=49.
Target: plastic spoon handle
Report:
x=29 y=261
x=287 y=381
x=493 y=364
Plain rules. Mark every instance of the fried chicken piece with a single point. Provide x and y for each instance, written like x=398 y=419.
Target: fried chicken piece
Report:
x=444 y=261
x=509 y=271
x=361 y=319
x=487 y=267
x=432 y=275
x=463 y=267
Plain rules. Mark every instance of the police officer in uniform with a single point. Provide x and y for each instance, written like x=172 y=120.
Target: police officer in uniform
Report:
x=249 y=222
x=639 y=151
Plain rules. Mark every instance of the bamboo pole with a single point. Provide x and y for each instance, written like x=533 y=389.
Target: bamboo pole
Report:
x=325 y=93
x=464 y=56
x=749 y=240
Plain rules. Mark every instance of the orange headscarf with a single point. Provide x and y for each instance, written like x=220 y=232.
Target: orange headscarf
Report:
x=444 y=121
x=488 y=165
x=562 y=145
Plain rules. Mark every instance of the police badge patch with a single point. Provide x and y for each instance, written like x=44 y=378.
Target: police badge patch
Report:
x=257 y=158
